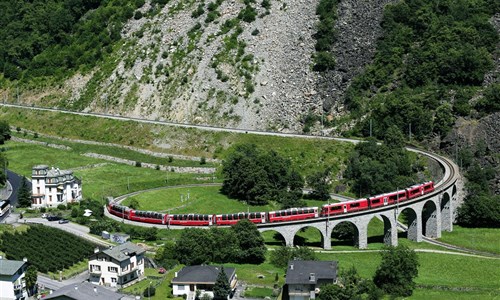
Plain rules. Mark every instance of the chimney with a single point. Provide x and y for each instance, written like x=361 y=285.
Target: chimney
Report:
x=175 y=274
x=312 y=277
x=95 y=290
x=291 y=267
x=96 y=250
x=76 y=287
x=25 y=259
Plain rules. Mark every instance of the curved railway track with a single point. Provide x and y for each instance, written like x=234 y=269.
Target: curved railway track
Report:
x=450 y=176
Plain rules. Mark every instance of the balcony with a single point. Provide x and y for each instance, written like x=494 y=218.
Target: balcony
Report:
x=18 y=287
x=95 y=271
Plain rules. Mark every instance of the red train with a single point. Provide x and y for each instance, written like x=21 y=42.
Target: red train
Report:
x=291 y=214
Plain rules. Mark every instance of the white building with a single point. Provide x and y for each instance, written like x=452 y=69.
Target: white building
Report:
x=200 y=278
x=51 y=187
x=304 y=278
x=12 y=282
x=117 y=266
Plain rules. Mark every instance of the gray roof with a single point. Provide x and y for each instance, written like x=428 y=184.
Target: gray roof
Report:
x=10 y=267
x=124 y=251
x=309 y=271
x=84 y=291
x=201 y=274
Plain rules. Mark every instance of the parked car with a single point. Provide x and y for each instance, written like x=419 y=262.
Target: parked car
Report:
x=63 y=221
x=162 y=270
x=53 y=218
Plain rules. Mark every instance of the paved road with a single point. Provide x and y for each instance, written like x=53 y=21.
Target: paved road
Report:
x=73 y=228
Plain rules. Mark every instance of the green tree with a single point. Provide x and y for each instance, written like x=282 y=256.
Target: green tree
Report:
x=194 y=247
x=4 y=132
x=251 y=244
x=319 y=182
x=224 y=244
x=221 y=287
x=134 y=204
x=396 y=272
x=31 y=278
x=3 y=166
x=443 y=119
x=481 y=210
x=165 y=255
x=256 y=177
x=282 y=255
x=24 y=194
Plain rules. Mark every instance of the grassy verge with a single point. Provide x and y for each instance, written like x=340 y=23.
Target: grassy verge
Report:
x=71 y=271
x=115 y=151
x=307 y=155
x=483 y=239
x=258 y=292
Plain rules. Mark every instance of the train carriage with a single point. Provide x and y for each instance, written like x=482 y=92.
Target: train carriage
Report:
x=231 y=219
x=119 y=211
x=293 y=214
x=4 y=208
x=147 y=217
x=190 y=220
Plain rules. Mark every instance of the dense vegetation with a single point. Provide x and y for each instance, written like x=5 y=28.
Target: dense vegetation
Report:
x=430 y=62
x=48 y=37
x=242 y=243
x=48 y=249
x=481 y=208
x=374 y=169
x=257 y=177
x=325 y=35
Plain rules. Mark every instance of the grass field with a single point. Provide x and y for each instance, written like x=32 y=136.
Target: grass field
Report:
x=307 y=155
x=114 y=151
x=204 y=200
x=108 y=179
x=483 y=239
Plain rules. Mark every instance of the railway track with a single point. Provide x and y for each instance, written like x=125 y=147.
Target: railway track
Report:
x=450 y=176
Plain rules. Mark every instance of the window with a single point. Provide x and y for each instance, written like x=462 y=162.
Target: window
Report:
x=181 y=287
x=113 y=269
x=113 y=279
x=139 y=262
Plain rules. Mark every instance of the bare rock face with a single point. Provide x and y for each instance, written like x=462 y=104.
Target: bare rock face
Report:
x=358 y=28
x=175 y=67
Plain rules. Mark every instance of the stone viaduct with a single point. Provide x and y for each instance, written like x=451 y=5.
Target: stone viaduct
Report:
x=427 y=215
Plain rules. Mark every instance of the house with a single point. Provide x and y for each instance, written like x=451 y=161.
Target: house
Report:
x=84 y=291
x=304 y=278
x=51 y=187
x=192 y=278
x=117 y=266
x=12 y=279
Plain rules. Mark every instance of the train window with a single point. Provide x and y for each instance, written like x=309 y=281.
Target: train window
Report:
x=190 y=217
x=252 y=216
x=376 y=201
x=294 y=212
x=224 y=217
x=336 y=208
x=354 y=204
x=205 y=217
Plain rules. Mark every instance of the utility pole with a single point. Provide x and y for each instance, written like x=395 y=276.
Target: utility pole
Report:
x=370 y=127
x=409 y=130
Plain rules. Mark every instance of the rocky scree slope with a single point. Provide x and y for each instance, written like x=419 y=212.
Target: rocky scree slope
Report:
x=224 y=71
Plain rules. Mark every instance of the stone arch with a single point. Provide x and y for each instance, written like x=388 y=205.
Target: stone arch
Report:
x=430 y=226
x=454 y=190
x=413 y=222
x=344 y=233
x=273 y=237
x=446 y=212
x=389 y=230
x=309 y=236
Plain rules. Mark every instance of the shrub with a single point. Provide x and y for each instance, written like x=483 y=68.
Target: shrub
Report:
x=43 y=209
x=138 y=15
x=138 y=164
x=324 y=61
x=255 y=31
x=61 y=207
x=149 y=291
x=170 y=159
x=203 y=160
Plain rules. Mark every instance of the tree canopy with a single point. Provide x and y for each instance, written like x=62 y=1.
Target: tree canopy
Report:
x=242 y=243
x=24 y=194
x=257 y=177
x=221 y=287
x=398 y=268
x=375 y=169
